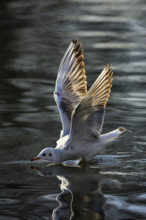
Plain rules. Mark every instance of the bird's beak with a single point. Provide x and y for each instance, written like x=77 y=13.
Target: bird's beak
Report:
x=35 y=158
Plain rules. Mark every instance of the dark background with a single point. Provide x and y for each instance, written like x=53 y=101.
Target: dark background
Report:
x=33 y=37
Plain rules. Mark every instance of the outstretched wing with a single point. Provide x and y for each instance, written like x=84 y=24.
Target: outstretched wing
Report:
x=88 y=117
x=70 y=84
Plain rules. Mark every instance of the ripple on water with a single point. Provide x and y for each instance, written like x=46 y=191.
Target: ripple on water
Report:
x=126 y=204
x=33 y=40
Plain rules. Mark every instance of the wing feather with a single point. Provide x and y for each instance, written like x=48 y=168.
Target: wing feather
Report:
x=71 y=85
x=88 y=117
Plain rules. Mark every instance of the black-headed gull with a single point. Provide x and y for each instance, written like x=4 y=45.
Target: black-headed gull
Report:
x=82 y=113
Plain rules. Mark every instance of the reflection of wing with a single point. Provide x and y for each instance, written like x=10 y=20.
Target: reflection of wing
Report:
x=88 y=117
x=70 y=84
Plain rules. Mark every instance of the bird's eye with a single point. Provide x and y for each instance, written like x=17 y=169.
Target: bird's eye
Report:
x=44 y=154
x=50 y=154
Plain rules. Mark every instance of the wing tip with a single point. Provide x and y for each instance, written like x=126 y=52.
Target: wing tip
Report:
x=77 y=46
x=109 y=69
x=75 y=41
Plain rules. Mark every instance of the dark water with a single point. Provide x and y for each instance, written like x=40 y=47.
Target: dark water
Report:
x=33 y=38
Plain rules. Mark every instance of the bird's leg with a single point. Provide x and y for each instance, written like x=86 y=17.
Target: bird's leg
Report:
x=82 y=162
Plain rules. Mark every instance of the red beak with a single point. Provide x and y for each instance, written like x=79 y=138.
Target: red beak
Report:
x=35 y=158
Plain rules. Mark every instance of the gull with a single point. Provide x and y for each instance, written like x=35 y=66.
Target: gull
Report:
x=82 y=112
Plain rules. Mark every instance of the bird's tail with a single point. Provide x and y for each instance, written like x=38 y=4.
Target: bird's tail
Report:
x=110 y=137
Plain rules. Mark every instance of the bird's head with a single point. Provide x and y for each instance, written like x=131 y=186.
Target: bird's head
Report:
x=46 y=154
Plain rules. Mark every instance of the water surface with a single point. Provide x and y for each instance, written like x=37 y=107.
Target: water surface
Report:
x=34 y=36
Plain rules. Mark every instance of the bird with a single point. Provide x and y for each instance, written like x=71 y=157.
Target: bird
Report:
x=82 y=112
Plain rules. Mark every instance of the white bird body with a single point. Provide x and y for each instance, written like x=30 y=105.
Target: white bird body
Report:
x=82 y=113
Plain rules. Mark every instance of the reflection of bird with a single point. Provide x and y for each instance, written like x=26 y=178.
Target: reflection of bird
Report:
x=81 y=112
x=81 y=196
